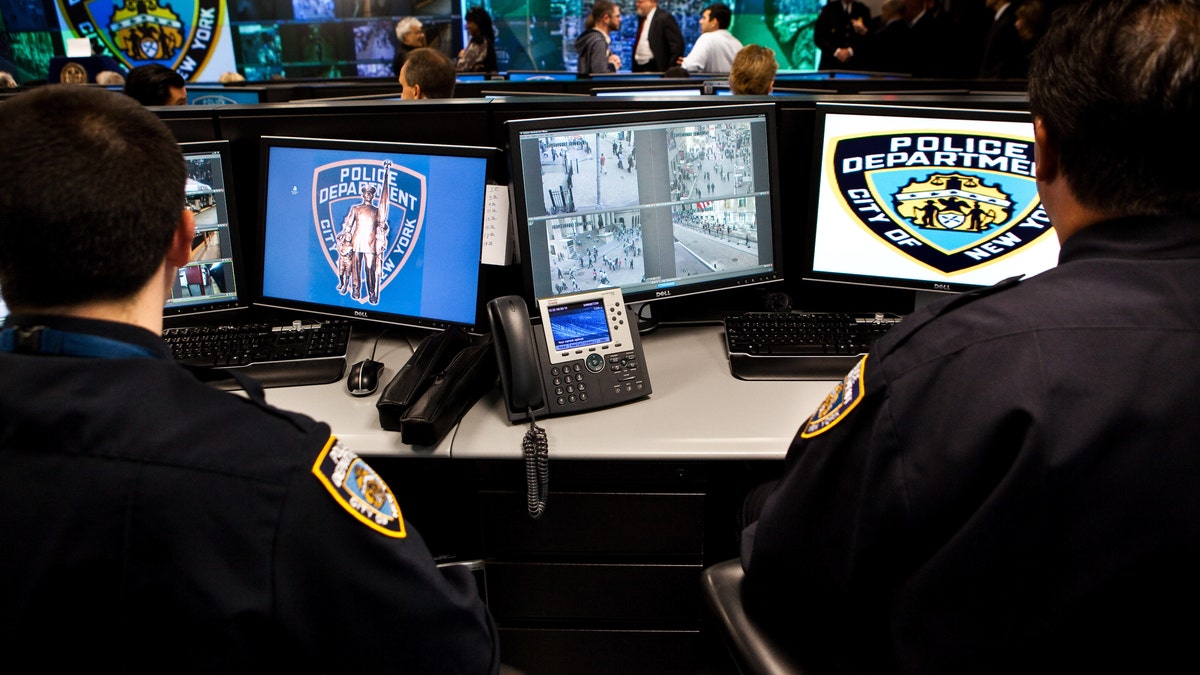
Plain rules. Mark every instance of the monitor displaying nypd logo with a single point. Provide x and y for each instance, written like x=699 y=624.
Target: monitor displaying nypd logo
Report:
x=374 y=231
x=950 y=200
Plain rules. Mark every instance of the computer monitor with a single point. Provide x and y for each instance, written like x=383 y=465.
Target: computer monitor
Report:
x=652 y=91
x=214 y=279
x=929 y=199
x=218 y=95
x=332 y=244
x=659 y=203
x=723 y=89
x=541 y=76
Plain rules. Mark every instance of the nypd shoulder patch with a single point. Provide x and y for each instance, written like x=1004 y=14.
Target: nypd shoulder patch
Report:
x=838 y=404
x=357 y=488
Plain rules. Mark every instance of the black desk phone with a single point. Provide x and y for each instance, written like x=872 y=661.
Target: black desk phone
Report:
x=584 y=354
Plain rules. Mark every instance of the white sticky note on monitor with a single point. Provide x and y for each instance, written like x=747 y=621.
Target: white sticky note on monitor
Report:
x=495 y=226
x=79 y=47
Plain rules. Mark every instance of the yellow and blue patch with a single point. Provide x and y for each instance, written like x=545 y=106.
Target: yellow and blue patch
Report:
x=357 y=488
x=844 y=397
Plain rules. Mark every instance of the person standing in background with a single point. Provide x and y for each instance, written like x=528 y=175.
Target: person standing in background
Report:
x=839 y=33
x=659 y=42
x=479 y=56
x=411 y=34
x=593 y=46
x=716 y=47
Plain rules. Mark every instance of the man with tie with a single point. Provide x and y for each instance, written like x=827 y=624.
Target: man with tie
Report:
x=659 y=42
x=839 y=32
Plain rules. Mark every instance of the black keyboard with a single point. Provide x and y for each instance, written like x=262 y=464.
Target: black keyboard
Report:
x=300 y=353
x=800 y=346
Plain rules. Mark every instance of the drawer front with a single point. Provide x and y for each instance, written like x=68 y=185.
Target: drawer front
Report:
x=598 y=523
x=642 y=596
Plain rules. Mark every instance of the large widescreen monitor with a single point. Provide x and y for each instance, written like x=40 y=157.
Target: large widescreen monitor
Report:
x=659 y=203
x=387 y=232
x=930 y=199
x=214 y=279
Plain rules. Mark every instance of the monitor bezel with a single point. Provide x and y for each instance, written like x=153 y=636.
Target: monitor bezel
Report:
x=180 y=314
x=668 y=90
x=493 y=173
x=809 y=230
x=682 y=115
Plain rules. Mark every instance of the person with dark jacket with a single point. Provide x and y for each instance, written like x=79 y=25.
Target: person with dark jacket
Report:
x=1007 y=482
x=593 y=45
x=659 y=41
x=186 y=527
x=839 y=33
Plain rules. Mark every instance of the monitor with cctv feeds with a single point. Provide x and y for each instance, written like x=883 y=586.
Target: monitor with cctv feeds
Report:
x=379 y=231
x=928 y=199
x=660 y=203
x=213 y=280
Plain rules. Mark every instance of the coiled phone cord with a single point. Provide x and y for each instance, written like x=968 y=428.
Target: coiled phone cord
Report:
x=537 y=468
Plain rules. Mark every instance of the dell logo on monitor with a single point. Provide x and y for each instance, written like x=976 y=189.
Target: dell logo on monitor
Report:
x=662 y=294
x=360 y=314
x=941 y=287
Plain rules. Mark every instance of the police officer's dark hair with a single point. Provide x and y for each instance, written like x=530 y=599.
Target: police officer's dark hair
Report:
x=721 y=13
x=431 y=69
x=1116 y=84
x=151 y=84
x=93 y=190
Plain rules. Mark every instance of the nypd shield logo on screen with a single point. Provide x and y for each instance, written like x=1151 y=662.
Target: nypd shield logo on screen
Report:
x=181 y=34
x=368 y=216
x=950 y=201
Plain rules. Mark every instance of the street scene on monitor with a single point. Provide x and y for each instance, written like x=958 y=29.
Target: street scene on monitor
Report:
x=625 y=207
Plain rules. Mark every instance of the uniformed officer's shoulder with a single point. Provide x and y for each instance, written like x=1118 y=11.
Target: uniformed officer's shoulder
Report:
x=358 y=489
x=934 y=316
x=243 y=432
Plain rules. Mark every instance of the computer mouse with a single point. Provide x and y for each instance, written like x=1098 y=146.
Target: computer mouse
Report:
x=363 y=379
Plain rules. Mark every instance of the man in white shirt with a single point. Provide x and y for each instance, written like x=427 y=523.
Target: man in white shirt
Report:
x=716 y=47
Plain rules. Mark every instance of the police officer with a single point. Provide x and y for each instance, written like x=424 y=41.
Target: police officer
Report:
x=178 y=527
x=1008 y=481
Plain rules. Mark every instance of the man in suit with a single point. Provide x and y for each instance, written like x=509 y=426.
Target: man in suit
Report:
x=1005 y=54
x=839 y=33
x=659 y=42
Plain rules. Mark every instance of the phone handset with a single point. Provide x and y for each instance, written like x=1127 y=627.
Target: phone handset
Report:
x=521 y=384
x=516 y=354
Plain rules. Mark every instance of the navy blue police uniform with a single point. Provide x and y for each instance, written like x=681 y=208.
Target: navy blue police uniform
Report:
x=1009 y=481
x=185 y=529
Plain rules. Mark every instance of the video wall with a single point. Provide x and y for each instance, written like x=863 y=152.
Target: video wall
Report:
x=270 y=39
x=540 y=34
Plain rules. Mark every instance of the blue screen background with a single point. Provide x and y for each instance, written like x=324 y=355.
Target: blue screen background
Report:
x=441 y=276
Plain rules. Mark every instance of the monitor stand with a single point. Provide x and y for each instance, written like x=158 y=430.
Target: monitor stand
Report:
x=923 y=298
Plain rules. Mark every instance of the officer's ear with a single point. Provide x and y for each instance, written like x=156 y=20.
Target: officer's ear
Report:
x=1045 y=153
x=180 y=251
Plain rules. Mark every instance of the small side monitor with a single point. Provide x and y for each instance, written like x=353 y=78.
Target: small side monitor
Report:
x=214 y=279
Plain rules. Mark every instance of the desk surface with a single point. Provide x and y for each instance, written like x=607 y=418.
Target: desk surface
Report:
x=697 y=410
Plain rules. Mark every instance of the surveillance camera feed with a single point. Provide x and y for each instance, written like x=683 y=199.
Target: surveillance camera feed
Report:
x=647 y=206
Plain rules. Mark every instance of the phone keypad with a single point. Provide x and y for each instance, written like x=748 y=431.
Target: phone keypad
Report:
x=576 y=382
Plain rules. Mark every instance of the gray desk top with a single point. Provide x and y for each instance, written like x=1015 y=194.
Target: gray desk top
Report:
x=697 y=411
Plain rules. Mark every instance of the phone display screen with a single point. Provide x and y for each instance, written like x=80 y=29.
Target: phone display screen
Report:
x=579 y=324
